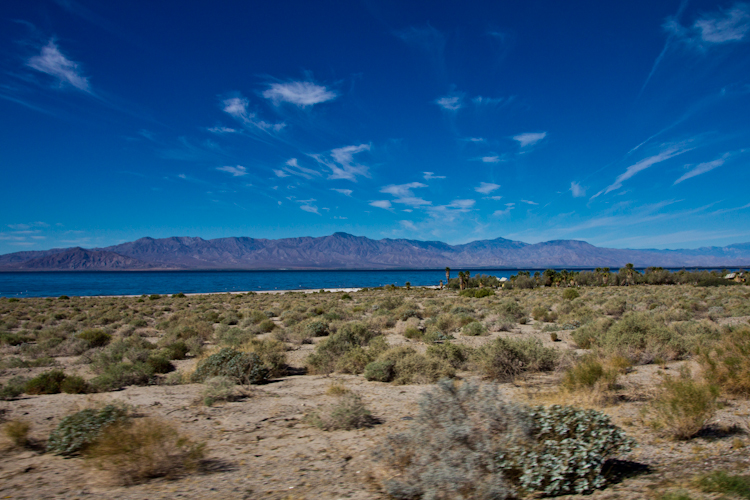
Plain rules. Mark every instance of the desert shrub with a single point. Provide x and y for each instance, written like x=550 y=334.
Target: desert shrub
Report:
x=477 y=293
x=46 y=383
x=177 y=350
x=567 y=452
x=570 y=294
x=272 y=354
x=95 y=338
x=75 y=432
x=328 y=352
x=159 y=363
x=134 y=451
x=683 y=406
x=353 y=361
x=467 y=442
x=118 y=375
x=266 y=326
x=245 y=368
x=721 y=482
x=391 y=302
x=455 y=354
x=17 y=431
x=413 y=333
x=511 y=309
x=73 y=384
x=410 y=367
x=727 y=363
x=642 y=338
x=232 y=337
x=315 y=328
x=13 y=388
x=590 y=334
x=380 y=371
x=505 y=359
x=474 y=329
x=219 y=389
x=589 y=373
x=349 y=413
x=15 y=339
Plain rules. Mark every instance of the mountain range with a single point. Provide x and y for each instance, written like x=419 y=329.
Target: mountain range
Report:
x=346 y=251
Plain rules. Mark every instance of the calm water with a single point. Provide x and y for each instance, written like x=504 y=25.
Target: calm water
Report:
x=53 y=284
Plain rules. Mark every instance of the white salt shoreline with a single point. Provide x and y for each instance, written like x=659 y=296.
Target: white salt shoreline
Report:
x=273 y=292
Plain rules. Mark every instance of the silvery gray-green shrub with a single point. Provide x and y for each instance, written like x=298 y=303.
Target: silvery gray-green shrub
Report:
x=81 y=429
x=466 y=442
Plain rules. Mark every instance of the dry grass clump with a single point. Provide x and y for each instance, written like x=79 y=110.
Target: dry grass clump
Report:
x=134 y=451
x=683 y=406
x=349 y=413
x=17 y=433
x=505 y=359
x=727 y=363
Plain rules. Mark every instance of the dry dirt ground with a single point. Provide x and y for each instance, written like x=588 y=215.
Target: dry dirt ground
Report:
x=262 y=447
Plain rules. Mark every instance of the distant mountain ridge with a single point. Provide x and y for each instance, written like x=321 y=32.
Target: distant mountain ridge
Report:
x=346 y=251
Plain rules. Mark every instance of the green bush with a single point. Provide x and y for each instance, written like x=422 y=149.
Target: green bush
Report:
x=380 y=371
x=159 y=364
x=75 y=432
x=511 y=309
x=95 y=338
x=118 y=375
x=413 y=333
x=570 y=294
x=46 y=383
x=410 y=367
x=266 y=326
x=505 y=359
x=474 y=329
x=587 y=373
x=721 y=482
x=13 y=388
x=328 y=352
x=245 y=368
x=456 y=355
x=73 y=384
x=567 y=452
x=477 y=293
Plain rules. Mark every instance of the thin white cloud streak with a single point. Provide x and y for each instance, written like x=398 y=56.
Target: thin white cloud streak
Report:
x=222 y=130
x=702 y=168
x=310 y=208
x=577 y=190
x=663 y=52
x=52 y=62
x=302 y=94
x=237 y=108
x=529 y=138
x=666 y=154
x=280 y=173
x=341 y=162
x=237 y=171
x=294 y=168
x=486 y=187
x=403 y=194
x=450 y=102
x=505 y=211
x=529 y=202
x=490 y=159
x=384 y=204
x=407 y=224
x=727 y=210
x=428 y=176
x=345 y=192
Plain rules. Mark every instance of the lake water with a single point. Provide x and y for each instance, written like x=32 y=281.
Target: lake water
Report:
x=80 y=283
x=53 y=284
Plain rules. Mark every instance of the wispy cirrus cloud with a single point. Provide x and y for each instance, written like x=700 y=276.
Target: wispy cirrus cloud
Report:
x=505 y=211
x=302 y=94
x=486 y=187
x=490 y=159
x=702 y=168
x=451 y=102
x=403 y=194
x=529 y=138
x=428 y=176
x=54 y=63
x=238 y=108
x=237 y=171
x=292 y=167
x=222 y=130
x=345 y=192
x=669 y=151
x=717 y=28
x=529 y=202
x=342 y=164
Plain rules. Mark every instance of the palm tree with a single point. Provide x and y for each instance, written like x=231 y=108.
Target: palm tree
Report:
x=447 y=275
x=461 y=280
x=629 y=270
x=606 y=275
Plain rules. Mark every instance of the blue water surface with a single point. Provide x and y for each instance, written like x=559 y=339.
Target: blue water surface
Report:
x=87 y=283
x=83 y=283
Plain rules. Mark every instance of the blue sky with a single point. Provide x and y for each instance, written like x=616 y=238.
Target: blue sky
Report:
x=626 y=125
